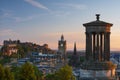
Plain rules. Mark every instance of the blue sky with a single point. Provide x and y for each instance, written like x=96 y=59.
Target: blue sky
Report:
x=44 y=21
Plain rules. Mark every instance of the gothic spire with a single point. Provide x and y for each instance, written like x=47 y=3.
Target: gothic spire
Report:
x=62 y=37
x=75 y=49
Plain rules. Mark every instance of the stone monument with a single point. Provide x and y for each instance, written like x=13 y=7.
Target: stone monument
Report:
x=97 y=64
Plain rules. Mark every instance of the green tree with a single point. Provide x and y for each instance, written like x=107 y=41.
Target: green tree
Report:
x=5 y=73
x=27 y=72
x=65 y=73
x=38 y=74
x=15 y=70
x=4 y=60
x=51 y=77
x=1 y=53
x=2 y=74
x=14 y=55
x=8 y=74
x=20 y=51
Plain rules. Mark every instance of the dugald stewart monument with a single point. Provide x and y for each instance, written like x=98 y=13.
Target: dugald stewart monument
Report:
x=97 y=63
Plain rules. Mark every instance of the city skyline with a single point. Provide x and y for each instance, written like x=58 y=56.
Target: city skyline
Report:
x=44 y=21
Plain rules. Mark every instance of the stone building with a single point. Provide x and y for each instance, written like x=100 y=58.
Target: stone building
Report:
x=10 y=46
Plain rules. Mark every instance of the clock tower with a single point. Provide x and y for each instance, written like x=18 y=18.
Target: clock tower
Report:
x=62 y=49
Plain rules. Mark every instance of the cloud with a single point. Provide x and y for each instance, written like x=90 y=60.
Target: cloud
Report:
x=36 y=4
x=5 y=13
x=72 y=6
x=77 y=6
x=60 y=13
x=21 y=19
x=27 y=18
x=8 y=32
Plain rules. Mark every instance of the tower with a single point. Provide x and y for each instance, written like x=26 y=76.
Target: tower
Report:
x=98 y=40
x=75 y=53
x=74 y=60
x=62 y=49
x=98 y=62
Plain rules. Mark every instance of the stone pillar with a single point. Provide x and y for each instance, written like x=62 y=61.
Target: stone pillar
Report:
x=87 y=45
x=93 y=46
x=98 y=46
x=90 y=46
x=101 y=46
x=107 y=46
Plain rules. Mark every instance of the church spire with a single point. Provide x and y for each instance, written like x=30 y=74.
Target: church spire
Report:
x=75 y=49
x=62 y=37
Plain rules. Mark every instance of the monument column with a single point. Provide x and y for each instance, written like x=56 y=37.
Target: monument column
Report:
x=105 y=51
x=87 y=45
x=90 y=46
x=107 y=45
x=101 y=46
x=98 y=46
x=93 y=46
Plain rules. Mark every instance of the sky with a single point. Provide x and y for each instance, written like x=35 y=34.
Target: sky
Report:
x=44 y=21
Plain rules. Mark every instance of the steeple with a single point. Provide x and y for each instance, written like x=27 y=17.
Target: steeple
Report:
x=62 y=37
x=75 y=49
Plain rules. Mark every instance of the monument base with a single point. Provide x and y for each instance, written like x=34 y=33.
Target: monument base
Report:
x=97 y=71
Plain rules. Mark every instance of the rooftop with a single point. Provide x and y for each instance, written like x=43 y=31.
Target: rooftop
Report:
x=97 y=22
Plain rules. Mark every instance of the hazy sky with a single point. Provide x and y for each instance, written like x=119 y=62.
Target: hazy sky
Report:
x=44 y=21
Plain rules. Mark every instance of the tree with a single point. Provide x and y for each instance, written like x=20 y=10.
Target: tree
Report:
x=1 y=53
x=20 y=51
x=65 y=73
x=8 y=74
x=51 y=77
x=4 y=60
x=2 y=74
x=38 y=74
x=14 y=55
x=15 y=70
x=27 y=72
x=5 y=73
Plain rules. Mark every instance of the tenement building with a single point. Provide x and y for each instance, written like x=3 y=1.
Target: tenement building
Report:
x=97 y=65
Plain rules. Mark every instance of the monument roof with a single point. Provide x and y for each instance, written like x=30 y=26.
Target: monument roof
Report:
x=97 y=22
